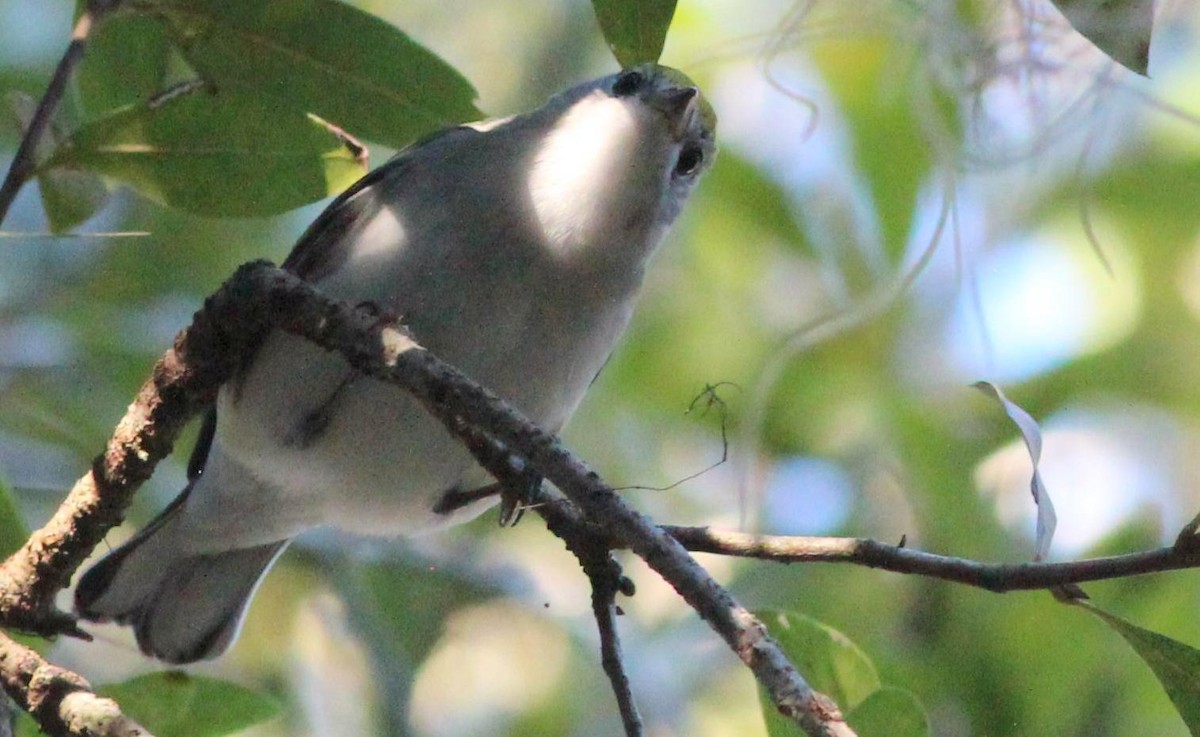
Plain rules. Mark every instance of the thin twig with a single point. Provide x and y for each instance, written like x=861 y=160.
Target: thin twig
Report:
x=997 y=577
x=593 y=548
x=25 y=160
x=604 y=575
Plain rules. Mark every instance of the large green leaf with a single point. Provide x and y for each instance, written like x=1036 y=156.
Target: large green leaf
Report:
x=323 y=57
x=635 y=29
x=174 y=704
x=224 y=154
x=889 y=712
x=110 y=76
x=827 y=659
x=1176 y=665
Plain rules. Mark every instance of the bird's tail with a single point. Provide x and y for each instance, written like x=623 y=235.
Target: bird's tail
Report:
x=183 y=606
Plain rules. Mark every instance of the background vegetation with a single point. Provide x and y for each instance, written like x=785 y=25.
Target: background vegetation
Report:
x=1053 y=192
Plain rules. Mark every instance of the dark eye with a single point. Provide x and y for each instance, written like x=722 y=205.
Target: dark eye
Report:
x=690 y=159
x=627 y=84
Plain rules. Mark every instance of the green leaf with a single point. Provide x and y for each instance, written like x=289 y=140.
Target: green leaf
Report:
x=635 y=29
x=175 y=704
x=737 y=188
x=1119 y=28
x=1176 y=665
x=890 y=712
x=827 y=659
x=70 y=196
x=225 y=154
x=323 y=57
x=13 y=531
x=404 y=605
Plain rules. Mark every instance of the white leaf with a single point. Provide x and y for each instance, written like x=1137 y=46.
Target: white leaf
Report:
x=1032 y=434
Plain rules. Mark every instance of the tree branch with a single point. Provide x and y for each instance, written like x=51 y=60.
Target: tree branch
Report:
x=259 y=298
x=593 y=550
x=997 y=577
x=60 y=701
x=590 y=546
x=394 y=357
x=185 y=380
x=25 y=160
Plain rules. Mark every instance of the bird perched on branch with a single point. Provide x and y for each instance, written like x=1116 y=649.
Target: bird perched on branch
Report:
x=513 y=249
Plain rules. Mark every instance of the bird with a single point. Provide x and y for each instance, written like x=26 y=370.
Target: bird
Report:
x=513 y=249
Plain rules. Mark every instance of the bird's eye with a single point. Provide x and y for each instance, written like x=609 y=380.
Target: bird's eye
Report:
x=689 y=160
x=627 y=84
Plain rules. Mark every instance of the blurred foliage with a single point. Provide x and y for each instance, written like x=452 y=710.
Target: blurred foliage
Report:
x=175 y=704
x=855 y=137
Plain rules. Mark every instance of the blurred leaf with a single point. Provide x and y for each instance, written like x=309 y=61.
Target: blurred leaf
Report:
x=1119 y=28
x=22 y=108
x=826 y=658
x=1047 y=520
x=70 y=196
x=25 y=726
x=13 y=531
x=1156 y=189
x=891 y=149
x=404 y=604
x=736 y=187
x=175 y=704
x=889 y=712
x=323 y=57
x=1176 y=665
x=224 y=154
x=635 y=29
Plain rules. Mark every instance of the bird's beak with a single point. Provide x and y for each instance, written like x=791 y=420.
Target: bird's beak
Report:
x=679 y=105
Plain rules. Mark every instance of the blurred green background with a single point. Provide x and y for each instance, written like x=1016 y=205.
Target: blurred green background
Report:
x=1060 y=196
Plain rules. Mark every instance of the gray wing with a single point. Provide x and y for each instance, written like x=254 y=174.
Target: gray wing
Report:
x=324 y=246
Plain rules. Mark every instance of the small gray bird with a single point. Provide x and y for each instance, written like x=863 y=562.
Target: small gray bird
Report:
x=513 y=249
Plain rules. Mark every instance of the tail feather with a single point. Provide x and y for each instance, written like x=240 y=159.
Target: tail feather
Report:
x=183 y=606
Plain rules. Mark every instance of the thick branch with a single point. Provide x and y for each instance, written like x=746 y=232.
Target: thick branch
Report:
x=998 y=577
x=184 y=381
x=60 y=701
